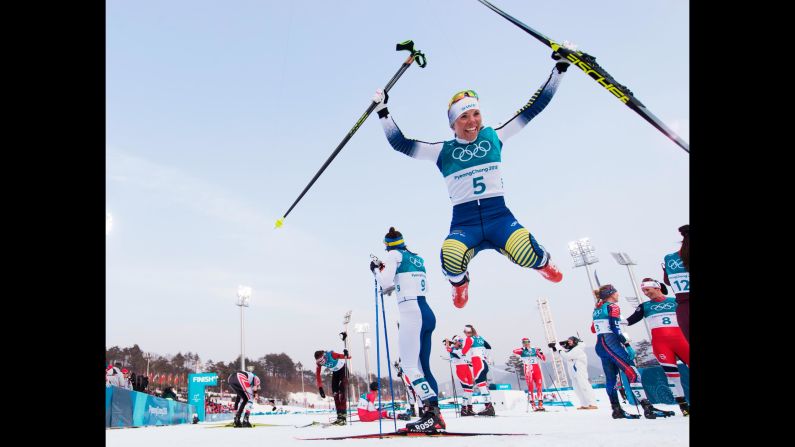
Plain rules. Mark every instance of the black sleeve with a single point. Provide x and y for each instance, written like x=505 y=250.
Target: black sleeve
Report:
x=635 y=317
x=486 y=344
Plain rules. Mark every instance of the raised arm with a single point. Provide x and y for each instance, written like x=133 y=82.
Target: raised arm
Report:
x=535 y=105
x=413 y=148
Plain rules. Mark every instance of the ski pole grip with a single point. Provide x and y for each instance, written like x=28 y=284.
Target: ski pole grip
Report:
x=417 y=55
x=407 y=45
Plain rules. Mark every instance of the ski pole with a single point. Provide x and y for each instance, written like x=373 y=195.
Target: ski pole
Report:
x=378 y=358
x=587 y=63
x=452 y=383
x=348 y=386
x=415 y=55
x=560 y=399
x=388 y=360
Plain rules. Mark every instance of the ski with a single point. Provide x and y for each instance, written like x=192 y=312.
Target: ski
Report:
x=629 y=416
x=663 y=413
x=587 y=64
x=411 y=434
x=252 y=426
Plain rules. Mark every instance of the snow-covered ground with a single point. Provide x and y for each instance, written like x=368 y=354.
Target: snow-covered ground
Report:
x=555 y=427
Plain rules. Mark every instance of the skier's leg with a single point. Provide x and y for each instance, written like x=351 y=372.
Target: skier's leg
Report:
x=464 y=375
x=428 y=326
x=515 y=241
x=683 y=317
x=481 y=369
x=460 y=246
x=410 y=344
x=611 y=371
x=539 y=382
x=665 y=355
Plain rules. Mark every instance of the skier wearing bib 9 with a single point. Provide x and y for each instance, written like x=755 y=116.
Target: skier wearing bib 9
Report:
x=403 y=272
x=611 y=347
x=471 y=165
x=667 y=340
x=334 y=362
x=532 y=372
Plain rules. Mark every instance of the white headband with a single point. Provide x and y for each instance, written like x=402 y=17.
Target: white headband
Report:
x=461 y=106
x=652 y=283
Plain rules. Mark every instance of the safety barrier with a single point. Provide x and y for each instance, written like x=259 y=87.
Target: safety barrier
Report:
x=127 y=408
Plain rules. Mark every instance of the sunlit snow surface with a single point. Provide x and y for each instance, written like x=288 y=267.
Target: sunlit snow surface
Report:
x=555 y=427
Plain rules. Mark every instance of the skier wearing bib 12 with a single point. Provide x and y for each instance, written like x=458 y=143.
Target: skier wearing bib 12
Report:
x=676 y=273
x=403 y=272
x=471 y=166
x=611 y=347
x=532 y=372
x=667 y=340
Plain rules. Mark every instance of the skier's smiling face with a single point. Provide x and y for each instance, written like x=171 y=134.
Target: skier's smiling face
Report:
x=653 y=293
x=468 y=124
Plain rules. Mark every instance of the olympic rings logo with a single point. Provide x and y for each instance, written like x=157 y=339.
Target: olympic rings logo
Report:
x=416 y=261
x=472 y=151
x=675 y=264
x=663 y=306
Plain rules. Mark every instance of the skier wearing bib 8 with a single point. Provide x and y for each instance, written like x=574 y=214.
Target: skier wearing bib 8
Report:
x=471 y=166
x=667 y=340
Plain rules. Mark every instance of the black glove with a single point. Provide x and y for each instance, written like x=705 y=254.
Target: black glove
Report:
x=322 y=393
x=345 y=352
x=373 y=266
x=563 y=63
x=551 y=345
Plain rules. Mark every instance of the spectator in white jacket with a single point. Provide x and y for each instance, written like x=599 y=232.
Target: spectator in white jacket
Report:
x=114 y=376
x=577 y=360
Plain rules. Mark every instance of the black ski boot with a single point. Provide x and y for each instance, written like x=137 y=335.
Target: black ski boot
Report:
x=236 y=422
x=403 y=416
x=466 y=410
x=341 y=419
x=619 y=413
x=649 y=412
x=488 y=411
x=246 y=422
x=683 y=405
x=431 y=421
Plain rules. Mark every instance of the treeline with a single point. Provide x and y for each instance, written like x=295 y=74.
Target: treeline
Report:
x=279 y=374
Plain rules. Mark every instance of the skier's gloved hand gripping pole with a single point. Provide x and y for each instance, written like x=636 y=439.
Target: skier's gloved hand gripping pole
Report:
x=416 y=55
x=587 y=63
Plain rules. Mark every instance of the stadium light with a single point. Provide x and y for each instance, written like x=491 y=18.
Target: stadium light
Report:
x=584 y=254
x=243 y=299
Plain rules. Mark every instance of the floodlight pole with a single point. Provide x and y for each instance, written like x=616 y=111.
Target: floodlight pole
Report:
x=624 y=259
x=243 y=296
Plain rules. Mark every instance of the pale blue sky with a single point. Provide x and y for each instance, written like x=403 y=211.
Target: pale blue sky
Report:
x=219 y=113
